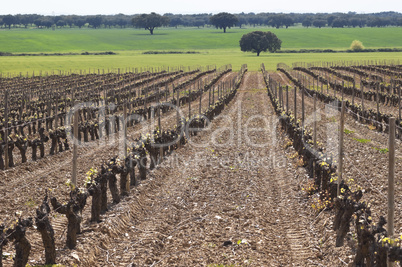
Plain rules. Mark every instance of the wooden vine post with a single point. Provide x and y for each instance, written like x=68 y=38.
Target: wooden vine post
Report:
x=315 y=124
x=48 y=114
x=391 y=180
x=125 y=130
x=200 y=91
x=362 y=95
x=75 y=148
x=343 y=86
x=145 y=102
x=189 y=103
x=335 y=86
x=166 y=92
x=315 y=131
x=213 y=95
x=6 y=129
x=287 y=98
x=57 y=112
x=160 y=128
x=159 y=112
x=340 y=154
x=399 y=102
x=209 y=97
x=295 y=105
x=56 y=117
x=311 y=81
x=178 y=108
x=378 y=102
x=303 y=109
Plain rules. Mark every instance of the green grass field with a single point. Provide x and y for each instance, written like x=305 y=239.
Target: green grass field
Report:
x=214 y=46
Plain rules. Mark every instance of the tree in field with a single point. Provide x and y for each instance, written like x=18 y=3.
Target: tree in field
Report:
x=95 y=21
x=9 y=20
x=319 y=23
x=288 y=21
x=275 y=21
x=174 y=22
x=331 y=19
x=150 y=21
x=61 y=23
x=279 y=20
x=307 y=22
x=80 y=23
x=259 y=41
x=43 y=22
x=357 y=46
x=223 y=20
x=339 y=23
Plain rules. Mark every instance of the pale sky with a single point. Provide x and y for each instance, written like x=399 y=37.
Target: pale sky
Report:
x=129 y=7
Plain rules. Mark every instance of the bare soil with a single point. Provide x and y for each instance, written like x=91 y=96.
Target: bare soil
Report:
x=232 y=195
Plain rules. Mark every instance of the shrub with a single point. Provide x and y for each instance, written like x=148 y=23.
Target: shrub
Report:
x=357 y=45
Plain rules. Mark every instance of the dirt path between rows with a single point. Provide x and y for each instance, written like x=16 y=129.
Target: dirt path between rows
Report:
x=229 y=196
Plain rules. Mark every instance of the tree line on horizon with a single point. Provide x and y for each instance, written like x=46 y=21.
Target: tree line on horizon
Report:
x=276 y=20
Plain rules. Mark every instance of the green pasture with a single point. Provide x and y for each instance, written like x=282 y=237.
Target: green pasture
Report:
x=214 y=46
x=15 y=65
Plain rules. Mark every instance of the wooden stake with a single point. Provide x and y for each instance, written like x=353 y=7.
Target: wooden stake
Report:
x=315 y=124
x=75 y=148
x=6 y=129
x=399 y=102
x=125 y=130
x=335 y=85
x=201 y=91
x=295 y=105
x=340 y=165
x=178 y=108
x=209 y=97
x=391 y=180
x=287 y=98
x=56 y=124
x=213 y=95
x=378 y=103
x=343 y=86
x=160 y=128
x=362 y=95
x=189 y=104
x=303 y=108
x=167 y=92
x=159 y=112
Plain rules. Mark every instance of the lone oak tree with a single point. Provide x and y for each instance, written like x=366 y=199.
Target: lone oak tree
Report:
x=9 y=20
x=223 y=20
x=259 y=41
x=150 y=21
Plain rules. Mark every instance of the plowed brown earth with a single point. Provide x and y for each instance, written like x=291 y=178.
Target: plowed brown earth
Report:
x=230 y=196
